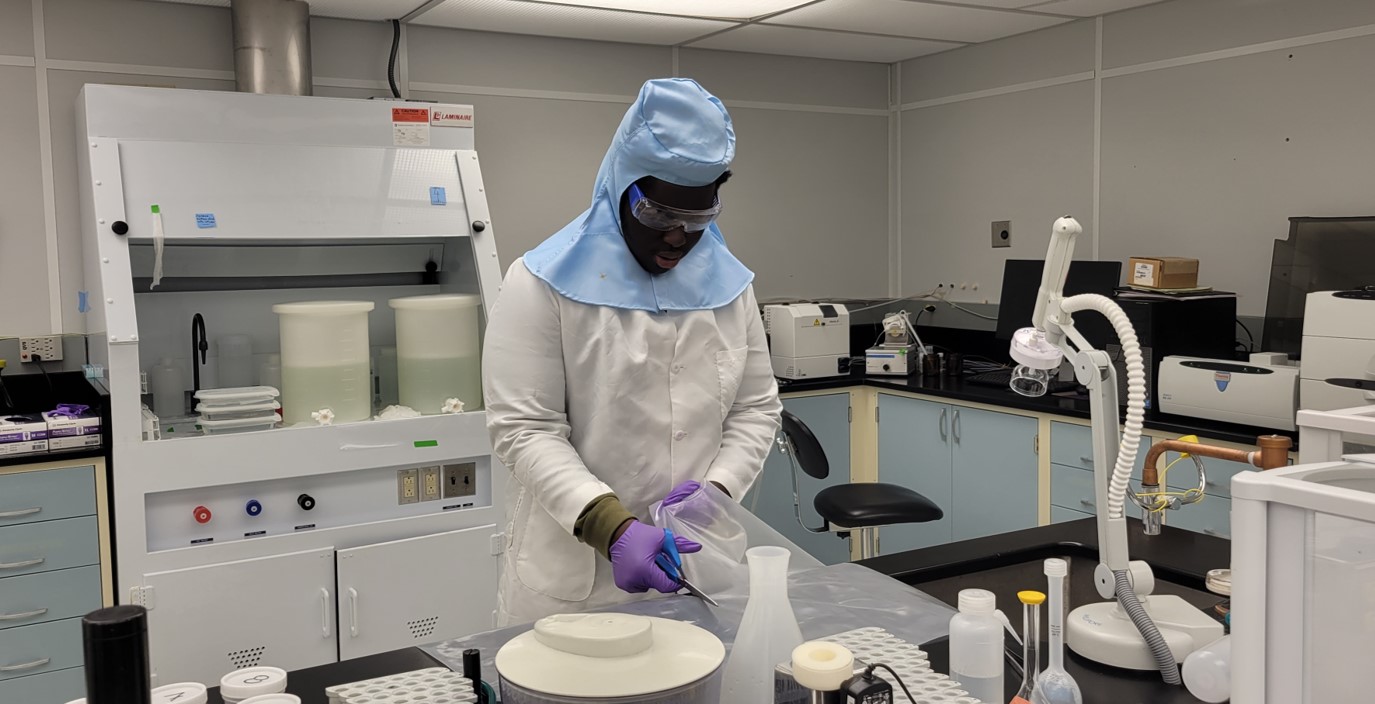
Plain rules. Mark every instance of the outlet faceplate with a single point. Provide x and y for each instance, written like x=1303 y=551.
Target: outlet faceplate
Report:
x=49 y=348
x=429 y=483
x=1002 y=233
x=460 y=480
x=407 y=486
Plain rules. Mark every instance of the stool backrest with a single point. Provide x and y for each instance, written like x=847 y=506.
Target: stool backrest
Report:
x=806 y=448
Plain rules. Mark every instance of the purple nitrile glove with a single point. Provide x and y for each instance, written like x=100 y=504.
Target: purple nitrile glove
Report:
x=680 y=492
x=633 y=554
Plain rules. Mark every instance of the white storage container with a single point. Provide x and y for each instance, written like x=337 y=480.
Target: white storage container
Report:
x=438 y=352
x=239 y=412
x=240 y=425
x=976 y=645
x=247 y=395
x=252 y=682
x=325 y=360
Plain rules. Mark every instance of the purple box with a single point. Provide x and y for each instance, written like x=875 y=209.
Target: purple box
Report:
x=23 y=435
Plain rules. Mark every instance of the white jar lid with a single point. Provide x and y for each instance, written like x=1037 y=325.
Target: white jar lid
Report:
x=323 y=308
x=441 y=301
x=181 y=693
x=609 y=655
x=252 y=682
x=273 y=699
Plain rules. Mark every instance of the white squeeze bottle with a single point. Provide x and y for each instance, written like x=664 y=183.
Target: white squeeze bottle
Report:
x=976 y=646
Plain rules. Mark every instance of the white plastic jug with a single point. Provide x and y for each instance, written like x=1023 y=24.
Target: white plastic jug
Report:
x=438 y=353
x=325 y=359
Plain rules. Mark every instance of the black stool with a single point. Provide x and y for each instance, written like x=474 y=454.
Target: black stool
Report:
x=847 y=509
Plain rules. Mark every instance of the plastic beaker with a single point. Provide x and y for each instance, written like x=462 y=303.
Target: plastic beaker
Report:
x=438 y=353
x=325 y=359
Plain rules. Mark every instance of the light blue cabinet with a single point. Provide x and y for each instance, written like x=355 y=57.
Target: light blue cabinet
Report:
x=771 y=499
x=995 y=472
x=914 y=450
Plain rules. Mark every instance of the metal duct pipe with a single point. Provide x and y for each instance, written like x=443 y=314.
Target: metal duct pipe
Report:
x=272 y=46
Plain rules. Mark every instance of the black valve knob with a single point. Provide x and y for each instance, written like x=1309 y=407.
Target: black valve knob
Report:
x=479 y=226
x=120 y=227
x=306 y=502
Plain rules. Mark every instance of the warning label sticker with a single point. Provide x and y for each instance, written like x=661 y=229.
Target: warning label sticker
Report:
x=410 y=127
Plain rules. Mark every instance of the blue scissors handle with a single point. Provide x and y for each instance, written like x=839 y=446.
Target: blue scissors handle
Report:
x=669 y=560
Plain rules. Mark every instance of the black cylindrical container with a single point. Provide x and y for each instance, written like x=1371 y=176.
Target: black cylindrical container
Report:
x=115 y=641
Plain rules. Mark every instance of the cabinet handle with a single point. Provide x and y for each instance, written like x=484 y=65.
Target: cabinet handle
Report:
x=1210 y=531
x=353 y=612
x=23 y=615
x=21 y=512
x=1086 y=502
x=945 y=428
x=18 y=565
x=955 y=425
x=1086 y=460
x=26 y=666
x=324 y=612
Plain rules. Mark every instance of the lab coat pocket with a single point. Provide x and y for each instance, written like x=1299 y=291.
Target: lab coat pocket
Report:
x=548 y=560
x=730 y=371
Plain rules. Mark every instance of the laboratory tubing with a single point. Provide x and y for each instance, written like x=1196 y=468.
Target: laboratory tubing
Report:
x=115 y=648
x=438 y=353
x=1208 y=671
x=251 y=682
x=976 y=645
x=1031 y=644
x=235 y=363
x=1055 y=685
x=169 y=389
x=325 y=359
x=768 y=631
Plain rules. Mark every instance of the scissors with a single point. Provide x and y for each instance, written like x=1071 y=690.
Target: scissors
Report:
x=672 y=564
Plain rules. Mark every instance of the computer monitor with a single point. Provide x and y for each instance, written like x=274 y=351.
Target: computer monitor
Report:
x=1022 y=283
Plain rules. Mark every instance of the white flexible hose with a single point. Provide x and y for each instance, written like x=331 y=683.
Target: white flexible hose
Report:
x=1136 y=393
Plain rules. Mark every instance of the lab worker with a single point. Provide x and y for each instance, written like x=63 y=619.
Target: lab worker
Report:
x=625 y=363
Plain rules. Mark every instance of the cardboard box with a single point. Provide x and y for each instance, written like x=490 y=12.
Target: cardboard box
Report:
x=71 y=433
x=23 y=435
x=1164 y=272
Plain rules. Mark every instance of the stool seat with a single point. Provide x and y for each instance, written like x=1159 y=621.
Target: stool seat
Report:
x=866 y=505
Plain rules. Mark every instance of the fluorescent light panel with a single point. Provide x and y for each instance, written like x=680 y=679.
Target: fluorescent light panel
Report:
x=728 y=9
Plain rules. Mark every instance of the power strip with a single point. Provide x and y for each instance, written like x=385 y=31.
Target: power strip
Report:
x=47 y=348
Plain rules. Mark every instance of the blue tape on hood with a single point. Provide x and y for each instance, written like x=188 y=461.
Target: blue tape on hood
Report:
x=675 y=131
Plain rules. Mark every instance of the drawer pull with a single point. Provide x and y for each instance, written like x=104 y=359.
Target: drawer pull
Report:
x=1086 y=502
x=1086 y=460
x=1210 y=531
x=25 y=563
x=26 y=666
x=20 y=512
x=23 y=615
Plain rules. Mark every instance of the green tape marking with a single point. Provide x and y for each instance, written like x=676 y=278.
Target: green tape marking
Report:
x=427 y=443
x=156 y=209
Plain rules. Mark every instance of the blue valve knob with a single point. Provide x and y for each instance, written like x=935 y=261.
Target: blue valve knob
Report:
x=254 y=507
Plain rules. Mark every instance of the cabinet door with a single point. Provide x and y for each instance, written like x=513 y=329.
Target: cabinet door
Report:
x=771 y=499
x=914 y=441
x=416 y=591
x=206 y=621
x=995 y=472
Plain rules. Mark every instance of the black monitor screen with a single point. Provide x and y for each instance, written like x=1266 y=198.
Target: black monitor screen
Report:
x=1022 y=282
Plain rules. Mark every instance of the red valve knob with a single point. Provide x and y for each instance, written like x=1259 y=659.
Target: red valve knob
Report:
x=202 y=514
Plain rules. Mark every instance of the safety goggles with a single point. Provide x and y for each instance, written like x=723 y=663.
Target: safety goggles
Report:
x=661 y=217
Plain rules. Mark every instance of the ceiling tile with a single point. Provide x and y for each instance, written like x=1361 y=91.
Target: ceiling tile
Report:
x=564 y=21
x=729 y=9
x=1089 y=8
x=343 y=9
x=791 y=41
x=1004 y=4
x=914 y=19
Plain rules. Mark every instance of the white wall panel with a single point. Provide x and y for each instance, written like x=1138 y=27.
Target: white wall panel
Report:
x=144 y=33
x=16 y=28
x=1050 y=53
x=349 y=49
x=786 y=79
x=23 y=239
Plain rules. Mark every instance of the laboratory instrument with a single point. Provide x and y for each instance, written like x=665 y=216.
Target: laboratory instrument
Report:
x=768 y=630
x=234 y=361
x=1031 y=644
x=1208 y=671
x=293 y=534
x=1140 y=630
x=823 y=669
x=325 y=359
x=900 y=352
x=437 y=351
x=976 y=645
x=613 y=658
x=1302 y=569
x=1054 y=685
x=1338 y=368
x=808 y=340
x=872 y=648
x=251 y=682
x=1273 y=452
x=1247 y=393
x=114 y=642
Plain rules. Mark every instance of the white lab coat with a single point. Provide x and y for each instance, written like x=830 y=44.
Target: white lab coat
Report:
x=583 y=400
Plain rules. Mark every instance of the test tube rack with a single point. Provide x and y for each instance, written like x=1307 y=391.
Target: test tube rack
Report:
x=435 y=685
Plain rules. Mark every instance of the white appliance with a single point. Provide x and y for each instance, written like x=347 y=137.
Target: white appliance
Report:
x=295 y=546
x=808 y=340
x=1338 y=367
x=1248 y=393
x=1303 y=569
x=891 y=361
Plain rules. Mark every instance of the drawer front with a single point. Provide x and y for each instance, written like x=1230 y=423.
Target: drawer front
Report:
x=48 y=688
x=1060 y=514
x=28 y=497
x=1072 y=446
x=1072 y=489
x=45 y=647
x=49 y=596
x=47 y=546
x=1213 y=517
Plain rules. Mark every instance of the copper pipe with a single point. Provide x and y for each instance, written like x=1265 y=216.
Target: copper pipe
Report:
x=1274 y=453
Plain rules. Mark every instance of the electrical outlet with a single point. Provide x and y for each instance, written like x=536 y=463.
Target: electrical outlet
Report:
x=407 y=486
x=49 y=348
x=1002 y=233
x=429 y=483
x=460 y=480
